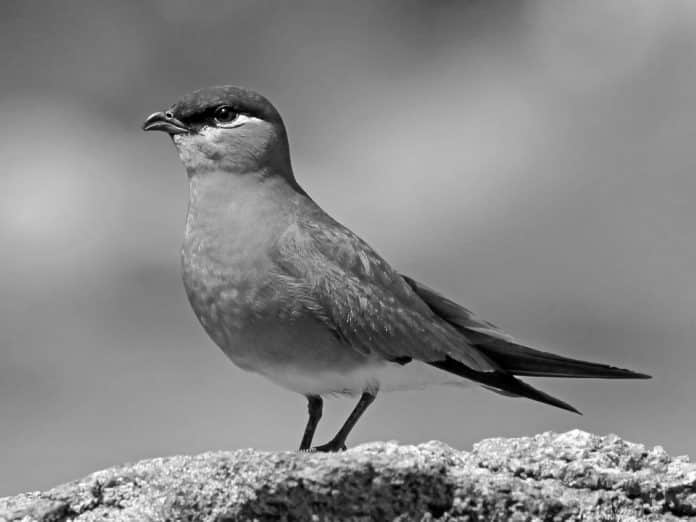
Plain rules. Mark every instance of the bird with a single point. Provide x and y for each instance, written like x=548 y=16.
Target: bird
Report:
x=289 y=293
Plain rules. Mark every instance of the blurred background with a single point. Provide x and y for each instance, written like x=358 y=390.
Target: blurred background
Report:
x=533 y=160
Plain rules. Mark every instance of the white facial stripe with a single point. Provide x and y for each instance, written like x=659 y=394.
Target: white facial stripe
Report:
x=241 y=119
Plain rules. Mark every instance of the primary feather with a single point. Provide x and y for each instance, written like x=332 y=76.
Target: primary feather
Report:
x=508 y=353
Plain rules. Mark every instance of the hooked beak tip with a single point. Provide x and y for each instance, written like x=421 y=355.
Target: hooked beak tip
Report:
x=164 y=122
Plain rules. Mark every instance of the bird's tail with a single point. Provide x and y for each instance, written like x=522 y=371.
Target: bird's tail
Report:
x=518 y=359
x=515 y=360
x=501 y=382
x=510 y=356
x=508 y=353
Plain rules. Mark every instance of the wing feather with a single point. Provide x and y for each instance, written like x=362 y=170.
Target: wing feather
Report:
x=331 y=273
x=508 y=353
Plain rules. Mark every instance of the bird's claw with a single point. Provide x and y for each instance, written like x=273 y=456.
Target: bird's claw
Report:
x=329 y=447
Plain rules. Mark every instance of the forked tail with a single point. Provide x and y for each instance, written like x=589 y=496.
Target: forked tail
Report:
x=509 y=356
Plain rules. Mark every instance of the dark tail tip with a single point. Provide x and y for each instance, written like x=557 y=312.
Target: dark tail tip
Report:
x=502 y=382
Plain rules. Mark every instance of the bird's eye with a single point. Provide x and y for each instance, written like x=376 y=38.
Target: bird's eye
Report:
x=225 y=114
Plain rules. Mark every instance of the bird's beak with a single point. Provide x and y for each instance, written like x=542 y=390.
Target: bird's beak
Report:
x=164 y=122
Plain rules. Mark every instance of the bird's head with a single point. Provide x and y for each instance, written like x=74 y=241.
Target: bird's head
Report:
x=226 y=129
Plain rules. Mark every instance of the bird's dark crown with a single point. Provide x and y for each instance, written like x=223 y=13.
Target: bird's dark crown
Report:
x=199 y=105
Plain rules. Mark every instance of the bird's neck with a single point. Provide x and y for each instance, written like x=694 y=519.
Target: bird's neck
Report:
x=237 y=216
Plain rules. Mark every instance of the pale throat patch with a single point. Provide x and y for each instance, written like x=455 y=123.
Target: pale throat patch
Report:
x=192 y=147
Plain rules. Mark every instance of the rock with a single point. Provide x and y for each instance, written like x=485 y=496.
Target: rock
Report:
x=571 y=476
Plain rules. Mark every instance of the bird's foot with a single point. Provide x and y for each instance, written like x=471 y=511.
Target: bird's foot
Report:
x=331 y=447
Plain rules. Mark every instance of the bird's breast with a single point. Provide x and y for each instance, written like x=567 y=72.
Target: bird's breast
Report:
x=226 y=285
x=248 y=318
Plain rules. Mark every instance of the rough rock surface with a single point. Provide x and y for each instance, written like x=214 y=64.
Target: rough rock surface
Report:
x=571 y=476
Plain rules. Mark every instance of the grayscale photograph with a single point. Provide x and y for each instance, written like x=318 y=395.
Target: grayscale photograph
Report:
x=347 y=261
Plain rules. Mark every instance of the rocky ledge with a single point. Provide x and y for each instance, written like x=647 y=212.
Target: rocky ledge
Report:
x=569 y=476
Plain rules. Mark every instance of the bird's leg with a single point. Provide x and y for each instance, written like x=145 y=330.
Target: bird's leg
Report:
x=314 y=408
x=338 y=443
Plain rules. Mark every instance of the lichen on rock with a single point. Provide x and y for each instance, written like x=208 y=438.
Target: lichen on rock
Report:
x=569 y=476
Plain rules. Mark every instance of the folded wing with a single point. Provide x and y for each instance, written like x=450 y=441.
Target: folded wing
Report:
x=509 y=354
x=331 y=273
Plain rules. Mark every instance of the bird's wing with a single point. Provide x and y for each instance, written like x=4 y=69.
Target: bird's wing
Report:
x=329 y=272
x=508 y=353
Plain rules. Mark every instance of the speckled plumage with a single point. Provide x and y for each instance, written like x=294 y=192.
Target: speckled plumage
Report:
x=288 y=292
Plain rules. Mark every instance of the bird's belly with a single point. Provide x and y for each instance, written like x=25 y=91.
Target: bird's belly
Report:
x=272 y=343
x=371 y=376
x=297 y=352
x=303 y=355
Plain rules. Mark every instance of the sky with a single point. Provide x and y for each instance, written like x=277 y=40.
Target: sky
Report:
x=533 y=161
